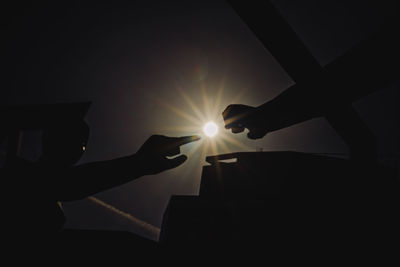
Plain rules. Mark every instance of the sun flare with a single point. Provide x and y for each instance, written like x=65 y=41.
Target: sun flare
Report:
x=210 y=129
x=200 y=113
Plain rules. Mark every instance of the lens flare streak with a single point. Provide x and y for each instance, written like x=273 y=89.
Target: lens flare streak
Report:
x=203 y=115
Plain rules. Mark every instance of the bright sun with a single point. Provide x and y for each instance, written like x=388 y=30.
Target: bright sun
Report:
x=210 y=129
x=193 y=118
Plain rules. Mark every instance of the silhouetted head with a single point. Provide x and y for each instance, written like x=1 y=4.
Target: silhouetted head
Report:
x=64 y=143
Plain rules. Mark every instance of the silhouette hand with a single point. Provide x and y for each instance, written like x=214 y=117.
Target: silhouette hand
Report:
x=239 y=117
x=154 y=153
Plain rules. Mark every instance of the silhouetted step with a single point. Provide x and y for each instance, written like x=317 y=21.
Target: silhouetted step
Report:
x=278 y=198
x=268 y=175
x=191 y=220
x=275 y=224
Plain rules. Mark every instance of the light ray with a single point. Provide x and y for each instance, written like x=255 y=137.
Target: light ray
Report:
x=223 y=145
x=234 y=118
x=155 y=231
x=194 y=161
x=181 y=129
x=238 y=97
x=179 y=112
x=193 y=149
x=197 y=160
x=217 y=104
x=205 y=101
x=203 y=154
x=235 y=142
x=204 y=151
x=197 y=115
x=191 y=104
x=214 y=149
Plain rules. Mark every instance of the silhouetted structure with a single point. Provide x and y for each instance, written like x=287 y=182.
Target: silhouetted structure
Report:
x=279 y=200
x=327 y=91
x=36 y=188
x=282 y=199
x=18 y=119
x=274 y=198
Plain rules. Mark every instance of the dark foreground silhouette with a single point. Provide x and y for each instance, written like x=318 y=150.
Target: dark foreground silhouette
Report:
x=35 y=190
x=319 y=91
x=277 y=201
x=291 y=202
x=286 y=202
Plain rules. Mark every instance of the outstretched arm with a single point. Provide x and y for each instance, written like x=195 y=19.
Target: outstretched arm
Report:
x=152 y=158
x=362 y=70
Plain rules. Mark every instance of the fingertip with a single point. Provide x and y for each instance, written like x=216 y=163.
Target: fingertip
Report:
x=237 y=129
x=187 y=139
x=256 y=135
x=196 y=137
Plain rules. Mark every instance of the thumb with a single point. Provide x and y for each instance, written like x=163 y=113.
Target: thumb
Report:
x=175 y=162
x=256 y=134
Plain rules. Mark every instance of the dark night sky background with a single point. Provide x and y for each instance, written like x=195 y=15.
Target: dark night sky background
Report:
x=130 y=59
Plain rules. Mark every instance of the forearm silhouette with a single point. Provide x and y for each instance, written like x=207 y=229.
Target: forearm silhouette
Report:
x=327 y=91
x=87 y=179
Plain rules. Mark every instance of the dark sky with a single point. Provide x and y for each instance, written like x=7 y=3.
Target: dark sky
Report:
x=143 y=64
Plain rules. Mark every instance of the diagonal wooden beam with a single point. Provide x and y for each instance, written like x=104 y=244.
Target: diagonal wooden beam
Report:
x=367 y=67
x=265 y=21
x=322 y=91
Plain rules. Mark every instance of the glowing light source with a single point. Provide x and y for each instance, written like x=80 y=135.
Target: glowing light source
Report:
x=210 y=129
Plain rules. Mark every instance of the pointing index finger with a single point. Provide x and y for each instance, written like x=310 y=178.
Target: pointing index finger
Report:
x=183 y=140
